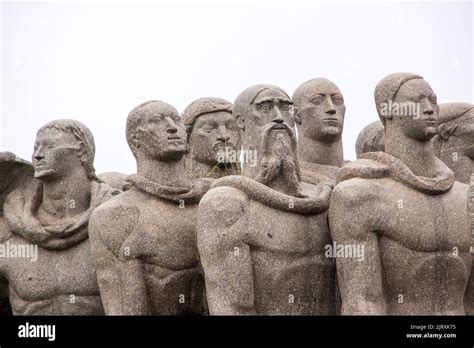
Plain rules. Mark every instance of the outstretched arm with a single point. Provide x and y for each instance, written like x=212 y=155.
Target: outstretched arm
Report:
x=351 y=222
x=119 y=273
x=224 y=252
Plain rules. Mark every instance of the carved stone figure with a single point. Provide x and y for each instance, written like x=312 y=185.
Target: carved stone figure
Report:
x=319 y=114
x=47 y=264
x=12 y=171
x=213 y=139
x=144 y=239
x=261 y=236
x=403 y=207
x=370 y=139
x=454 y=143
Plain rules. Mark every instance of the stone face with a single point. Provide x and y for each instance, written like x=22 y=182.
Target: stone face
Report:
x=44 y=231
x=404 y=209
x=370 y=139
x=454 y=143
x=319 y=113
x=144 y=239
x=213 y=139
x=261 y=236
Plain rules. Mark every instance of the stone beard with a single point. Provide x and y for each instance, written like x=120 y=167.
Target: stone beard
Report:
x=261 y=236
x=279 y=159
x=403 y=207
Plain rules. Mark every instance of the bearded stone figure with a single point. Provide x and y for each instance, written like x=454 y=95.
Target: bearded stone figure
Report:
x=403 y=207
x=46 y=210
x=261 y=236
x=454 y=143
x=319 y=114
x=144 y=239
x=213 y=139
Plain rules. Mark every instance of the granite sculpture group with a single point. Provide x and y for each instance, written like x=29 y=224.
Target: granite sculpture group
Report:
x=201 y=228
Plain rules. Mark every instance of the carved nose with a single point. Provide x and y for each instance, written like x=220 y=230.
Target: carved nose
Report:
x=223 y=138
x=427 y=109
x=172 y=130
x=331 y=112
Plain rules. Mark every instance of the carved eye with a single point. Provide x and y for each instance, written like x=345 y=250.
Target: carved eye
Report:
x=265 y=107
x=285 y=107
x=231 y=125
x=433 y=99
x=318 y=99
x=337 y=99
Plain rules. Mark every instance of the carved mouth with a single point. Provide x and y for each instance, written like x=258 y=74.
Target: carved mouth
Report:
x=279 y=126
x=174 y=138
x=331 y=121
x=430 y=121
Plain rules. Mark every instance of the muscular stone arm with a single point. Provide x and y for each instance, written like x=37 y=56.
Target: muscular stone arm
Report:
x=119 y=274
x=352 y=221
x=224 y=252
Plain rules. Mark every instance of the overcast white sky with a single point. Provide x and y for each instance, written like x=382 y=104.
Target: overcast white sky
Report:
x=95 y=62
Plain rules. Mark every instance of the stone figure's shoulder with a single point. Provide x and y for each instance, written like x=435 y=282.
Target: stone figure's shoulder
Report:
x=223 y=203
x=113 y=221
x=361 y=181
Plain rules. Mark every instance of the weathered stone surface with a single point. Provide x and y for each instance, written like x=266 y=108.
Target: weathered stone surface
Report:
x=213 y=139
x=261 y=236
x=454 y=143
x=370 y=139
x=47 y=265
x=405 y=210
x=319 y=114
x=115 y=180
x=144 y=240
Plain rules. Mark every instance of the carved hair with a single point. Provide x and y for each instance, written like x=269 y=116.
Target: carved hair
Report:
x=201 y=107
x=370 y=139
x=135 y=117
x=388 y=88
x=83 y=135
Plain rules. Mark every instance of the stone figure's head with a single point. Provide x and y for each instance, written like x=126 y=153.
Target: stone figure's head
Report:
x=212 y=130
x=407 y=102
x=155 y=131
x=265 y=115
x=319 y=110
x=63 y=147
x=454 y=143
x=370 y=139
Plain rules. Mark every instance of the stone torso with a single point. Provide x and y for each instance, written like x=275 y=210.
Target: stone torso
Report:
x=164 y=239
x=291 y=274
x=423 y=244
x=57 y=283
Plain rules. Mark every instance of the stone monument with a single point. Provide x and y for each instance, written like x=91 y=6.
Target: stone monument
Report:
x=47 y=265
x=213 y=139
x=454 y=143
x=319 y=114
x=144 y=239
x=403 y=207
x=370 y=139
x=261 y=236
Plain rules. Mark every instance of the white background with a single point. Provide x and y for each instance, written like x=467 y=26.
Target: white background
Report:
x=95 y=62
